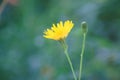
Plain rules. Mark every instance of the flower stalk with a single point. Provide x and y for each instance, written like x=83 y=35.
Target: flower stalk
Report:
x=84 y=32
x=63 y=43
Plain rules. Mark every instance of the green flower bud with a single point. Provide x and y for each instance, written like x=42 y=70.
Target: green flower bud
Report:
x=84 y=27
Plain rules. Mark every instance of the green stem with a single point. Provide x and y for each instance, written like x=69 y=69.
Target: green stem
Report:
x=81 y=59
x=70 y=63
x=68 y=58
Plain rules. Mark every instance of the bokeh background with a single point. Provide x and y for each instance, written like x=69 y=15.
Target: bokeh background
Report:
x=26 y=55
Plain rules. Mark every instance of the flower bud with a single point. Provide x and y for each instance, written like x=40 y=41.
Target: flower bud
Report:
x=84 y=27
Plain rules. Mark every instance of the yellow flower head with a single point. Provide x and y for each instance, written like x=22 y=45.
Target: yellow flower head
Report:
x=59 y=31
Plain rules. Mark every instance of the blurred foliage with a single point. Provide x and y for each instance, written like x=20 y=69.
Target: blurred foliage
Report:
x=26 y=55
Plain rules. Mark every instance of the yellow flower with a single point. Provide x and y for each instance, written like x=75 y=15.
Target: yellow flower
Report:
x=59 y=31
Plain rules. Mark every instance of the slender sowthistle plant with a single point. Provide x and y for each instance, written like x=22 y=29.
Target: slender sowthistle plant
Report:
x=59 y=33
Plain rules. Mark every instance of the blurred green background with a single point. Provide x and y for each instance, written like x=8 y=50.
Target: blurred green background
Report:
x=26 y=55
